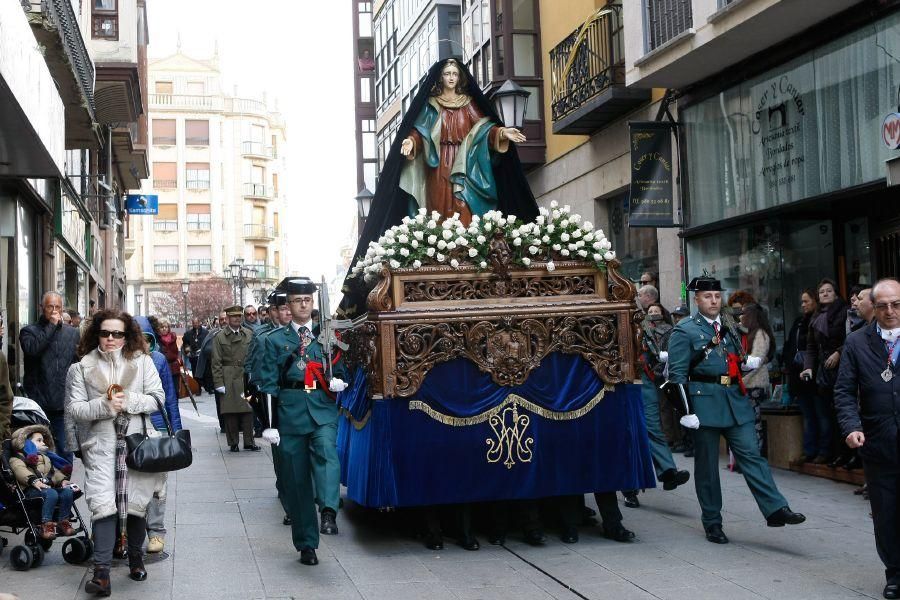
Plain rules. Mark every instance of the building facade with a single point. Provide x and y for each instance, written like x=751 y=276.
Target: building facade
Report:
x=218 y=168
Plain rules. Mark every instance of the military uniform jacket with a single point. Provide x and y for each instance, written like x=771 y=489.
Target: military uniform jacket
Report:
x=280 y=375
x=229 y=351
x=716 y=405
x=254 y=350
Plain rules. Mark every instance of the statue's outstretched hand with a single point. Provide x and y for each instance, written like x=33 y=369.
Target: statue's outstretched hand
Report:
x=513 y=135
x=406 y=147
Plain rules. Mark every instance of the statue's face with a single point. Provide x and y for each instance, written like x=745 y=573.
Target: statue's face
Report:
x=450 y=77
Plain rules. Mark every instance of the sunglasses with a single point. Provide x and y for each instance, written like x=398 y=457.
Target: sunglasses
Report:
x=115 y=334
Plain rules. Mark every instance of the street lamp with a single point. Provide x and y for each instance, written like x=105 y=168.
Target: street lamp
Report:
x=138 y=298
x=185 y=286
x=510 y=102
x=363 y=205
x=239 y=278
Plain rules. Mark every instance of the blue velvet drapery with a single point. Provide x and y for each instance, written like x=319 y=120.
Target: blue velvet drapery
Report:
x=395 y=455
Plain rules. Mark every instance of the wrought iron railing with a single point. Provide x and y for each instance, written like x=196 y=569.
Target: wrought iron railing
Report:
x=165 y=184
x=257 y=190
x=165 y=266
x=259 y=231
x=588 y=61
x=60 y=16
x=257 y=149
x=667 y=19
x=264 y=271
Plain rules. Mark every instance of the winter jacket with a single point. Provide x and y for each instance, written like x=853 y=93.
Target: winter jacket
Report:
x=203 y=374
x=826 y=336
x=49 y=352
x=168 y=346
x=759 y=377
x=171 y=404
x=89 y=410
x=6 y=399
x=794 y=343
x=192 y=340
x=26 y=472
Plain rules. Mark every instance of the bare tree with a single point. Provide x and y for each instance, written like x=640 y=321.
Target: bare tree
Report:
x=206 y=298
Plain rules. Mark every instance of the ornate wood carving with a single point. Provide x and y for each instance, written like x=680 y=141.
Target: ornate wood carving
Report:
x=621 y=288
x=500 y=256
x=380 y=297
x=513 y=287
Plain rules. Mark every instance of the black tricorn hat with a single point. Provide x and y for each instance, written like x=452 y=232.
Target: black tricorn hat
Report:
x=296 y=285
x=277 y=298
x=705 y=283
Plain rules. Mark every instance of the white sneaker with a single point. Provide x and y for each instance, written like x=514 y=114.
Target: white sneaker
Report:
x=156 y=544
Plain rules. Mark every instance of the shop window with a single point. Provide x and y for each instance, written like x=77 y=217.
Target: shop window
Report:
x=164 y=132
x=196 y=133
x=105 y=20
x=636 y=247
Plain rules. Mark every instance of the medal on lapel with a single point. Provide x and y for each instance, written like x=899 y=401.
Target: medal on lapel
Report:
x=301 y=364
x=887 y=374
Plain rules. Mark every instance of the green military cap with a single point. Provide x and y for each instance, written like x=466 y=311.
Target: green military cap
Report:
x=234 y=311
x=297 y=285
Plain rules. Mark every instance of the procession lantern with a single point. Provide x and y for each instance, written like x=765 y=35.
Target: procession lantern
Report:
x=364 y=202
x=510 y=101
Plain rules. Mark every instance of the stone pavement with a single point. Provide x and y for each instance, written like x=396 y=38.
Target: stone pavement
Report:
x=226 y=542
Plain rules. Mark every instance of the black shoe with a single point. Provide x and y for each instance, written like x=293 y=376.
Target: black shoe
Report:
x=715 y=535
x=853 y=463
x=470 y=544
x=678 y=448
x=286 y=520
x=136 y=570
x=618 y=533
x=308 y=557
x=631 y=499
x=784 y=516
x=99 y=584
x=840 y=461
x=689 y=453
x=535 y=537
x=891 y=590
x=496 y=539
x=672 y=478
x=329 y=524
x=569 y=535
x=434 y=541
x=234 y=448
x=253 y=448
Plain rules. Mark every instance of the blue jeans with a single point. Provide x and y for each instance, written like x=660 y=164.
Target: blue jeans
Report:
x=816 y=424
x=54 y=499
x=58 y=429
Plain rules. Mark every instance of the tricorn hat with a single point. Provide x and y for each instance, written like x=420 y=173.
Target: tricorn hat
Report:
x=277 y=298
x=705 y=283
x=297 y=285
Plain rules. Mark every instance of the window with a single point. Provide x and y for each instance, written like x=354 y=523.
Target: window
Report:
x=165 y=175
x=523 y=54
x=260 y=254
x=198 y=217
x=197 y=176
x=365 y=19
x=257 y=174
x=275 y=222
x=199 y=259
x=636 y=248
x=196 y=133
x=105 y=20
x=163 y=87
x=167 y=218
x=275 y=184
x=370 y=170
x=164 y=132
x=523 y=14
x=365 y=89
x=369 y=146
x=165 y=259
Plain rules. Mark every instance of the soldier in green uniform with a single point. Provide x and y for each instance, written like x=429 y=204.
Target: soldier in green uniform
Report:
x=228 y=354
x=706 y=360
x=292 y=369
x=281 y=316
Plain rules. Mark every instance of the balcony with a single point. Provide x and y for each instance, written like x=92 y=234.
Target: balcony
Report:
x=264 y=271
x=199 y=265
x=588 y=76
x=197 y=184
x=678 y=43
x=161 y=226
x=256 y=231
x=257 y=150
x=55 y=27
x=257 y=191
x=165 y=267
x=165 y=184
x=186 y=102
x=130 y=157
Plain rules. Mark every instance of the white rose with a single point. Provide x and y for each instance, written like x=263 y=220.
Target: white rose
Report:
x=511 y=218
x=539 y=220
x=389 y=234
x=414 y=244
x=461 y=241
x=551 y=266
x=606 y=244
x=526 y=261
x=454 y=263
x=432 y=239
x=598 y=257
x=554 y=204
x=598 y=245
x=487 y=227
x=382 y=240
x=418 y=235
x=435 y=215
x=555 y=214
x=582 y=253
x=404 y=252
x=587 y=226
x=442 y=245
x=564 y=237
x=483 y=265
x=473 y=252
x=404 y=228
x=572 y=247
x=576 y=233
x=403 y=239
x=417 y=264
x=431 y=224
x=447 y=224
x=390 y=252
x=460 y=230
x=557 y=247
x=551 y=228
x=481 y=239
x=579 y=244
x=379 y=251
x=564 y=223
x=430 y=251
x=394 y=264
x=446 y=234
x=420 y=219
x=533 y=249
x=501 y=221
x=564 y=252
x=517 y=242
x=423 y=211
x=588 y=237
x=440 y=257
x=451 y=245
x=575 y=218
x=610 y=255
x=455 y=216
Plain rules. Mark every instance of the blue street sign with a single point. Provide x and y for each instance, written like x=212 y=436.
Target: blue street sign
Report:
x=142 y=204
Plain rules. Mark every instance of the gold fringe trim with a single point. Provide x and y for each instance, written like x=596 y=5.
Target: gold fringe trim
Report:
x=358 y=425
x=515 y=399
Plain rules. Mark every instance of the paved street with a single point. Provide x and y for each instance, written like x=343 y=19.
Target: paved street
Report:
x=226 y=542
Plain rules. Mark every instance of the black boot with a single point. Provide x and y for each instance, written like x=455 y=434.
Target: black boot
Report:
x=329 y=523
x=136 y=570
x=99 y=584
x=308 y=557
x=631 y=499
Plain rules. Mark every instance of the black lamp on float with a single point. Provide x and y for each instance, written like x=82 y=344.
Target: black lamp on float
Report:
x=510 y=101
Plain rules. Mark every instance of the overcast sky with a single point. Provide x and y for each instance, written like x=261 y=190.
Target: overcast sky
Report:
x=300 y=53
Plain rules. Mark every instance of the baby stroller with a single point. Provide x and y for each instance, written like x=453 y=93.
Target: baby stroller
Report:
x=20 y=514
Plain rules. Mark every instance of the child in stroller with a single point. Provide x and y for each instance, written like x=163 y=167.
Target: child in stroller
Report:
x=41 y=473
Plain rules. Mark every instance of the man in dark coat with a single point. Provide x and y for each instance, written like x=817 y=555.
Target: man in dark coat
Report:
x=192 y=341
x=50 y=348
x=867 y=400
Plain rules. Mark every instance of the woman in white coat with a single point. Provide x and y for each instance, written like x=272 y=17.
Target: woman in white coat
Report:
x=116 y=383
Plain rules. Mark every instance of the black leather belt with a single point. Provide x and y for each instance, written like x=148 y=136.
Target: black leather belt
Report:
x=298 y=385
x=720 y=379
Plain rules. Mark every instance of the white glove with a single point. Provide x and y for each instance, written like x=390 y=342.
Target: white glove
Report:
x=751 y=362
x=689 y=421
x=271 y=436
x=337 y=385
x=664 y=356
x=221 y=389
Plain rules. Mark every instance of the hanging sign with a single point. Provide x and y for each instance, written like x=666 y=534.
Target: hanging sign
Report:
x=652 y=183
x=890 y=131
x=142 y=204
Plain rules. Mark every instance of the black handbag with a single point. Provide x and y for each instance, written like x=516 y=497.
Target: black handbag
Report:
x=170 y=452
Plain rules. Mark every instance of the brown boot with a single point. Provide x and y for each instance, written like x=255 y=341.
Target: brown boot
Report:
x=64 y=528
x=48 y=531
x=99 y=585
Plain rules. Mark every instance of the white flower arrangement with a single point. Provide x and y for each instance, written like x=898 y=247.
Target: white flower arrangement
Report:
x=427 y=239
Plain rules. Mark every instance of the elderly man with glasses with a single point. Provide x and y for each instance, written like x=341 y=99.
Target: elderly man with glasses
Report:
x=867 y=401
x=251 y=318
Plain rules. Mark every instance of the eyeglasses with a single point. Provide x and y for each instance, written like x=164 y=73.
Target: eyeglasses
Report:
x=118 y=335
x=645 y=281
x=895 y=305
x=301 y=301
x=250 y=314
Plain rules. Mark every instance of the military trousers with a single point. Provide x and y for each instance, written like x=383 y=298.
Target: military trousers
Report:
x=743 y=443
x=659 y=446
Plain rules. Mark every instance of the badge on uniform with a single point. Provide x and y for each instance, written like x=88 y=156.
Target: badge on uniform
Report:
x=301 y=364
x=887 y=374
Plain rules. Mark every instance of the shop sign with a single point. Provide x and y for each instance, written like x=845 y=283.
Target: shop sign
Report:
x=71 y=226
x=652 y=183
x=890 y=131
x=142 y=204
